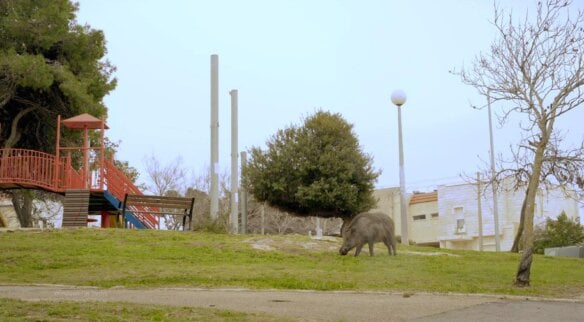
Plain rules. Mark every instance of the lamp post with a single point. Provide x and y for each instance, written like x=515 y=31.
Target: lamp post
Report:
x=398 y=98
x=493 y=178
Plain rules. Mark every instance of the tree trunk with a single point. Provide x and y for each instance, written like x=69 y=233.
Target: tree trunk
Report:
x=22 y=201
x=523 y=272
x=517 y=240
x=522 y=278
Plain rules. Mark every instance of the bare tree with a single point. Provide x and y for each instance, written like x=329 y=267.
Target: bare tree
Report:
x=48 y=208
x=166 y=180
x=536 y=66
x=199 y=188
x=278 y=222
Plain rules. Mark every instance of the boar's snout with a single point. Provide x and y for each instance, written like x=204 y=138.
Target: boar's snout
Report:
x=343 y=250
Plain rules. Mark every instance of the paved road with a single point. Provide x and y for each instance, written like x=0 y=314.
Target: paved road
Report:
x=313 y=305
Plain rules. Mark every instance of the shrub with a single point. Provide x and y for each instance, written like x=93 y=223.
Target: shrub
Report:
x=557 y=233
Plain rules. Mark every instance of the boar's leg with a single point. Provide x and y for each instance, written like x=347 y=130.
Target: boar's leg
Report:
x=371 y=244
x=358 y=249
x=390 y=243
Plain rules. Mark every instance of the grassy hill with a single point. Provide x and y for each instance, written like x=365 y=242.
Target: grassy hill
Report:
x=141 y=258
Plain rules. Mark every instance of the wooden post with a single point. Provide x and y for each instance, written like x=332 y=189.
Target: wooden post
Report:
x=104 y=219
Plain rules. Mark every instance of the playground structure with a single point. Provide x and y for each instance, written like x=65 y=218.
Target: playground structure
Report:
x=90 y=182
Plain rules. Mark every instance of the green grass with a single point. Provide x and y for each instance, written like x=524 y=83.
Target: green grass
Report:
x=16 y=310
x=140 y=258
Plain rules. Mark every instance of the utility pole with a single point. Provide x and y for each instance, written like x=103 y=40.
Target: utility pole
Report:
x=234 y=173
x=493 y=178
x=214 y=136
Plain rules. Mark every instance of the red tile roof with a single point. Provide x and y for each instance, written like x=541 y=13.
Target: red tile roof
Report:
x=424 y=197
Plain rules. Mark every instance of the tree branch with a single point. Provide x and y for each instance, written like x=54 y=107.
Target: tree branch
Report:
x=14 y=130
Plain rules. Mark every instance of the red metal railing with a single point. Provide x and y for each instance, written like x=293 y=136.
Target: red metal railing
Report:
x=35 y=169
x=20 y=167
x=27 y=168
x=119 y=184
x=68 y=177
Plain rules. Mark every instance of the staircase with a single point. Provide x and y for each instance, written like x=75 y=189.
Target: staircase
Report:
x=75 y=208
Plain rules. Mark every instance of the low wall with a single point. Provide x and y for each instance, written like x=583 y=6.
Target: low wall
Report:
x=568 y=251
x=8 y=215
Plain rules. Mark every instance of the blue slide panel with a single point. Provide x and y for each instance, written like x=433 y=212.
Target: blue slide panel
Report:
x=112 y=200
x=130 y=218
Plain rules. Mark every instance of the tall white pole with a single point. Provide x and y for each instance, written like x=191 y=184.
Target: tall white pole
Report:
x=493 y=178
x=234 y=166
x=398 y=98
x=214 y=136
x=402 y=184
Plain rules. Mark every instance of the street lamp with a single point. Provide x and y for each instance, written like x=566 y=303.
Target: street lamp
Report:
x=398 y=98
x=493 y=178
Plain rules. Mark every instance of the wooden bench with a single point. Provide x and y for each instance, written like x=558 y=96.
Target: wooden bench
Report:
x=159 y=206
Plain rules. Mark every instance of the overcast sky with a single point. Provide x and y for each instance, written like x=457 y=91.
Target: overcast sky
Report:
x=291 y=58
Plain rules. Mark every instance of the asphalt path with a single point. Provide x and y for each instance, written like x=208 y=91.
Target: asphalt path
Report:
x=323 y=306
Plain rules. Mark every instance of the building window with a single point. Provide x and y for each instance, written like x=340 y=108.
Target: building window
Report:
x=460 y=229
x=459 y=215
x=434 y=215
x=419 y=217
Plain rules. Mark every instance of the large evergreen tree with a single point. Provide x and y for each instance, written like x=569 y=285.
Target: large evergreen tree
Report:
x=49 y=65
x=317 y=169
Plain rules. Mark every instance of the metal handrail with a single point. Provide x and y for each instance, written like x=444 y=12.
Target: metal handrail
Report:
x=30 y=168
x=27 y=167
x=119 y=184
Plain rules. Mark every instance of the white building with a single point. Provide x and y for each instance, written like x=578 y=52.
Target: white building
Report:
x=449 y=216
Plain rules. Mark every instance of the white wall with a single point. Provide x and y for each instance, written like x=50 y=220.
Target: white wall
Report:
x=461 y=202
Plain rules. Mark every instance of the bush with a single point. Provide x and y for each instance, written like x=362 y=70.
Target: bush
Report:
x=558 y=233
x=204 y=223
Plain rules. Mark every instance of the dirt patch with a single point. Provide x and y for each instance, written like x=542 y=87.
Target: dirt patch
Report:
x=326 y=243
x=294 y=244
x=430 y=253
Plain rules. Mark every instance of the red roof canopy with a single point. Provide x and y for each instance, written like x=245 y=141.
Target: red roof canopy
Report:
x=84 y=121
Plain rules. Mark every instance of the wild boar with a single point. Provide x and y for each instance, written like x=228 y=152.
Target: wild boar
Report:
x=369 y=227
